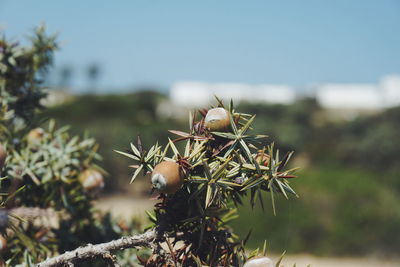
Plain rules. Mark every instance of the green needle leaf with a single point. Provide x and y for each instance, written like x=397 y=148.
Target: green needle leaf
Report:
x=127 y=155
x=135 y=150
x=135 y=174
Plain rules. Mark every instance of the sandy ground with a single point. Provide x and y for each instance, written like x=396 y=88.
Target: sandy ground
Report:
x=304 y=260
x=125 y=207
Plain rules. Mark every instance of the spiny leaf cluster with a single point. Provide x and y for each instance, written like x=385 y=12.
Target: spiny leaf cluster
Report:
x=219 y=169
x=21 y=74
x=47 y=210
x=224 y=165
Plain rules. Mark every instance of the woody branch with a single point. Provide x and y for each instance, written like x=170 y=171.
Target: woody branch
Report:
x=101 y=250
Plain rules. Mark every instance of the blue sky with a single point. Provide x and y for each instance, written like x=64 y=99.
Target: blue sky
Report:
x=155 y=43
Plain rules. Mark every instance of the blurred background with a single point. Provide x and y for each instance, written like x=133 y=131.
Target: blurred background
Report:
x=323 y=78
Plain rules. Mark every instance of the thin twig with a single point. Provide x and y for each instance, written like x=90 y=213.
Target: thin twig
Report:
x=100 y=250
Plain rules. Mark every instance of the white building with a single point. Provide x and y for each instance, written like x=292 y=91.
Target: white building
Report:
x=349 y=96
x=345 y=97
x=371 y=97
x=390 y=85
x=277 y=94
x=189 y=94
x=201 y=94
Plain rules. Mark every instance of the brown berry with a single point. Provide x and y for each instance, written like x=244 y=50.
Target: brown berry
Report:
x=166 y=177
x=217 y=119
x=91 y=179
x=3 y=156
x=259 y=261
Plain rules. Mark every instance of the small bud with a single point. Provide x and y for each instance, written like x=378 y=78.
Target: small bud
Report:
x=166 y=177
x=259 y=262
x=217 y=119
x=3 y=156
x=91 y=179
x=262 y=159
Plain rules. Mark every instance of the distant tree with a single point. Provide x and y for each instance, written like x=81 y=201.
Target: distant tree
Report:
x=66 y=73
x=93 y=72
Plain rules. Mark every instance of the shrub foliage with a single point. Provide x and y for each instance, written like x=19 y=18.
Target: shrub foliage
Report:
x=49 y=177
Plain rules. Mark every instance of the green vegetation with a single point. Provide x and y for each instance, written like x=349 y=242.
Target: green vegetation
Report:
x=45 y=201
x=201 y=185
x=349 y=187
x=340 y=211
x=113 y=120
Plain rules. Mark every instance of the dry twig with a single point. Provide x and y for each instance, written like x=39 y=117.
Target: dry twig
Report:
x=101 y=250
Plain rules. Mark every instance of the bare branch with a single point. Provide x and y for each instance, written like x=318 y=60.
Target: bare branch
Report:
x=101 y=250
